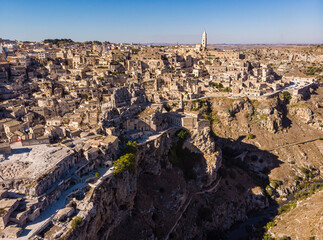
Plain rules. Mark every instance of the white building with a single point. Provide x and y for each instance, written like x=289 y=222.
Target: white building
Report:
x=204 y=40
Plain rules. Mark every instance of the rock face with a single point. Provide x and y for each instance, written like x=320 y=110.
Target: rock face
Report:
x=201 y=142
x=303 y=113
x=154 y=198
x=166 y=199
x=269 y=115
x=307 y=111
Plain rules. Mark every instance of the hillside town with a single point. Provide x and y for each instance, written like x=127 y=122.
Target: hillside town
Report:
x=67 y=108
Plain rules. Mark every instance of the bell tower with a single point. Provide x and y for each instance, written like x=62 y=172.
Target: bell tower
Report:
x=204 y=40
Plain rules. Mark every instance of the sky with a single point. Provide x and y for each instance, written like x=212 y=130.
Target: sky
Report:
x=168 y=21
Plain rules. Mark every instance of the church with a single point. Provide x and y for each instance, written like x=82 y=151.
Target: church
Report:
x=202 y=46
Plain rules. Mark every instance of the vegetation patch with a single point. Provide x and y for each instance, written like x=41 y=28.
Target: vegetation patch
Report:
x=275 y=183
x=310 y=71
x=131 y=147
x=182 y=134
x=287 y=207
x=76 y=222
x=309 y=191
x=124 y=163
x=251 y=136
x=285 y=95
x=58 y=41
x=183 y=158
x=220 y=87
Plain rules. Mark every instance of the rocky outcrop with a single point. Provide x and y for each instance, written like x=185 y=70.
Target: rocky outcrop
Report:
x=154 y=193
x=303 y=113
x=201 y=142
x=268 y=114
x=163 y=199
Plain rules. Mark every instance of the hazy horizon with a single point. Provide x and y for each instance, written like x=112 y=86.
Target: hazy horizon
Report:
x=165 y=43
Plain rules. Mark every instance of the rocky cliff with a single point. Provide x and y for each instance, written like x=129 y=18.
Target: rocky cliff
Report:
x=175 y=192
x=200 y=186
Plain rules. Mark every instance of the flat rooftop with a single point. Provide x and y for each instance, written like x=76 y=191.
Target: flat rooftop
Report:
x=31 y=161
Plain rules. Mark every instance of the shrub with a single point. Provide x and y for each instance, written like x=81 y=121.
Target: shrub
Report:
x=269 y=190
x=308 y=192
x=76 y=222
x=275 y=183
x=97 y=174
x=286 y=95
x=297 y=178
x=251 y=136
x=270 y=225
x=114 y=63
x=304 y=170
x=287 y=207
x=267 y=236
x=125 y=163
x=207 y=116
x=227 y=89
x=182 y=134
x=216 y=85
x=131 y=147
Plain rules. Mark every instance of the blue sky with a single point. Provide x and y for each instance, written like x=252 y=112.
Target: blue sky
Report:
x=142 y=21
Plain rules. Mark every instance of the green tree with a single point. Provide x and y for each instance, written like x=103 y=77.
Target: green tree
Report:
x=131 y=147
x=286 y=95
x=124 y=163
x=97 y=174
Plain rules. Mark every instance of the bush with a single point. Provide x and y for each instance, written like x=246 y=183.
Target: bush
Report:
x=251 y=136
x=97 y=174
x=308 y=192
x=131 y=147
x=267 y=236
x=287 y=207
x=114 y=63
x=76 y=222
x=216 y=85
x=269 y=190
x=286 y=95
x=125 y=163
x=275 y=183
x=304 y=170
x=182 y=134
x=227 y=89
x=270 y=225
